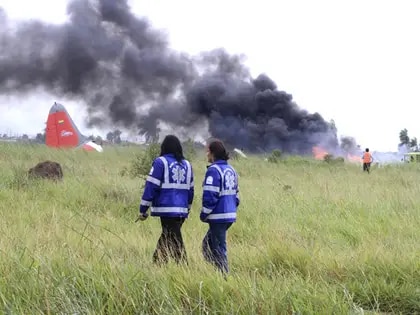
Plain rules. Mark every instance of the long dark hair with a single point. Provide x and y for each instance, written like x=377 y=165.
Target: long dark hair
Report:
x=217 y=148
x=172 y=145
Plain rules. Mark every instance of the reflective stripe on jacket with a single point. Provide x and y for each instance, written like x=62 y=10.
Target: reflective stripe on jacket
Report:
x=220 y=193
x=169 y=189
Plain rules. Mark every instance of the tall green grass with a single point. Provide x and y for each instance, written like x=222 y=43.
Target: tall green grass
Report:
x=311 y=238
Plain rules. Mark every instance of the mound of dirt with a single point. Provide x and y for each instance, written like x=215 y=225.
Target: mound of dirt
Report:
x=48 y=170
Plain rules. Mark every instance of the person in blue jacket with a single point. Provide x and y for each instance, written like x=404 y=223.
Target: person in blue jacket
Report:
x=220 y=201
x=169 y=192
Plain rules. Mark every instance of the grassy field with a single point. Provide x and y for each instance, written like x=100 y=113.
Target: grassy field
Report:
x=311 y=238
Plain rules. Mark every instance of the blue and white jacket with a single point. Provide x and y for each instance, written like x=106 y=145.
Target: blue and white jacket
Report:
x=169 y=189
x=220 y=193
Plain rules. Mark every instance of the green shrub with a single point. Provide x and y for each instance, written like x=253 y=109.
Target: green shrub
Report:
x=275 y=156
x=142 y=162
x=189 y=150
x=329 y=158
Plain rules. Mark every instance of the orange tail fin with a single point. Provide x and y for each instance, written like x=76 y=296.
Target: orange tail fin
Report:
x=61 y=131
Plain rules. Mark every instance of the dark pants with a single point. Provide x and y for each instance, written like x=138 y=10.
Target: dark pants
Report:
x=214 y=246
x=170 y=243
x=366 y=167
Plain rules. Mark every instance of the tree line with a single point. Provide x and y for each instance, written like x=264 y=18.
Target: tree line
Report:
x=113 y=137
x=411 y=144
x=347 y=144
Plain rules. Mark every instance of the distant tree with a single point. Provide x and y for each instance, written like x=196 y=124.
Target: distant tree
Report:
x=110 y=136
x=91 y=137
x=413 y=144
x=117 y=136
x=4 y=136
x=25 y=137
x=98 y=140
x=114 y=136
x=404 y=138
x=40 y=138
x=407 y=143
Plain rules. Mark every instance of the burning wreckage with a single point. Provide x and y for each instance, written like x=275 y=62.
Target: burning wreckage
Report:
x=130 y=77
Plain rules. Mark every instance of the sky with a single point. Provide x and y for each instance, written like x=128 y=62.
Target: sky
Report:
x=357 y=62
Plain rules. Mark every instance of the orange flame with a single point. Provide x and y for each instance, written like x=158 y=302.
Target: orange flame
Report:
x=354 y=158
x=319 y=154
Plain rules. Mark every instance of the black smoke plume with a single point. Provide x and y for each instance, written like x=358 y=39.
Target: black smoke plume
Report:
x=124 y=70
